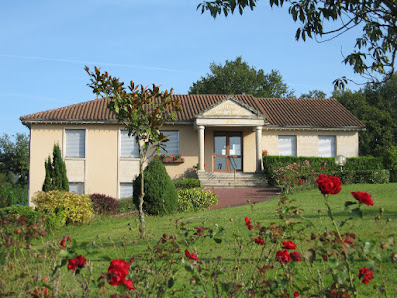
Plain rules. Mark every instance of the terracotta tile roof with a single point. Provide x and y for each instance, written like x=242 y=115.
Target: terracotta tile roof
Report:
x=322 y=113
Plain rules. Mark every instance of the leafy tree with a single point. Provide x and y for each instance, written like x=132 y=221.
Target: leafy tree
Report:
x=14 y=156
x=314 y=94
x=378 y=136
x=374 y=51
x=55 y=177
x=143 y=110
x=237 y=77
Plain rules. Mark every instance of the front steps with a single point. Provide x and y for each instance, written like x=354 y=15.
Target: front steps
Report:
x=231 y=180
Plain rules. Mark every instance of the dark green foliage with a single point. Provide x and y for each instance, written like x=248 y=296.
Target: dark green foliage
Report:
x=390 y=162
x=355 y=167
x=314 y=94
x=55 y=177
x=47 y=180
x=103 y=204
x=14 y=157
x=126 y=205
x=26 y=211
x=160 y=193
x=11 y=194
x=187 y=183
x=237 y=77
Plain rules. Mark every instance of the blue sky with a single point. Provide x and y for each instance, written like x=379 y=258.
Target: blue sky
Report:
x=44 y=45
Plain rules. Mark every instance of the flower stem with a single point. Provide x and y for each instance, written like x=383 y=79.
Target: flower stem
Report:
x=340 y=239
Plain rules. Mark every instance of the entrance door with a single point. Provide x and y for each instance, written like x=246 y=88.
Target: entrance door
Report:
x=228 y=151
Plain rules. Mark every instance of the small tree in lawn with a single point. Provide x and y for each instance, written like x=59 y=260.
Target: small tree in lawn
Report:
x=55 y=172
x=143 y=110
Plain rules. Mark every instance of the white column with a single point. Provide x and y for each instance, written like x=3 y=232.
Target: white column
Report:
x=201 y=148
x=258 y=136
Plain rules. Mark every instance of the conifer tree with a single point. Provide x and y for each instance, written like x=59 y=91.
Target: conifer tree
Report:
x=47 y=180
x=56 y=171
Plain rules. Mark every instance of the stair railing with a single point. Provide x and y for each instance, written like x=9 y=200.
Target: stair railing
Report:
x=234 y=168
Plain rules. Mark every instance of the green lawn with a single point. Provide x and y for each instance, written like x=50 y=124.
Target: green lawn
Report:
x=118 y=236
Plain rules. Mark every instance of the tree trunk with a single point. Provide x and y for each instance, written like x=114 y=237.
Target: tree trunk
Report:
x=140 y=209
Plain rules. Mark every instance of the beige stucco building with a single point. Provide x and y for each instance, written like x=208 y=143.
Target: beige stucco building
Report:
x=212 y=133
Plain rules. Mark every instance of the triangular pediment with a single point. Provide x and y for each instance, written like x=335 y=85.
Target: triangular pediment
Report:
x=229 y=107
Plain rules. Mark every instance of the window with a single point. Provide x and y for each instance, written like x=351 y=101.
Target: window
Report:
x=287 y=145
x=172 y=146
x=126 y=190
x=76 y=187
x=75 y=143
x=128 y=147
x=326 y=146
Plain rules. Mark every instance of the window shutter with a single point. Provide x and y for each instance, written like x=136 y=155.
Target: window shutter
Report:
x=126 y=190
x=75 y=143
x=76 y=187
x=327 y=146
x=129 y=148
x=172 y=146
x=287 y=145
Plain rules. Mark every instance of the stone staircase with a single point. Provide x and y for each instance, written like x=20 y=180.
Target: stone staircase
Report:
x=231 y=180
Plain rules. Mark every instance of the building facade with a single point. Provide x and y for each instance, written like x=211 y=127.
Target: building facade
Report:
x=212 y=133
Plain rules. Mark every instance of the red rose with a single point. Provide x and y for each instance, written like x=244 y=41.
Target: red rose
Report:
x=363 y=197
x=365 y=274
x=335 y=293
x=191 y=256
x=118 y=269
x=129 y=284
x=62 y=243
x=289 y=245
x=283 y=256
x=248 y=222
x=296 y=256
x=77 y=262
x=296 y=294
x=260 y=241
x=329 y=185
x=40 y=292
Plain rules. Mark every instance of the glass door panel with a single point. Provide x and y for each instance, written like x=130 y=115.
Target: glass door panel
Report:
x=235 y=145
x=220 y=145
x=235 y=163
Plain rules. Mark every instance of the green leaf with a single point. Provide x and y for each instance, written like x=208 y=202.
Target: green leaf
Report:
x=348 y=203
x=171 y=282
x=63 y=253
x=189 y=268
x=218 y=240
x=357 y=212
x=310 y=255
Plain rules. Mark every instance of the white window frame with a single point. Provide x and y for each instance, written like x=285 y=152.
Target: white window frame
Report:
x=81 y=184
x=332 y=143
x=282 y=141
x=170 y=133
x=135 y=149
x=66 y=143
x=129 y=183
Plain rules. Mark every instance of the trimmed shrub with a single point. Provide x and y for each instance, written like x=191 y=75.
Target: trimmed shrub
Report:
x=160 y=192
x=103 y=204
x=55 y=172
x=66 y=206
x=193 y=199
x=355 y=166
x=126 y=205
x=187 y=183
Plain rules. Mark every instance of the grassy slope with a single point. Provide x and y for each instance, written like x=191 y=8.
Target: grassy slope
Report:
x=111 y=232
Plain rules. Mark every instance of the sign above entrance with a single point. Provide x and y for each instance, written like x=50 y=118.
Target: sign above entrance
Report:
x=230 y=112
x=228 y=108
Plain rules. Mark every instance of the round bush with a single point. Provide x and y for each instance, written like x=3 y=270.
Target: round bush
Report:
x=160 y=192
x=103 y=204
x=193 y=199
